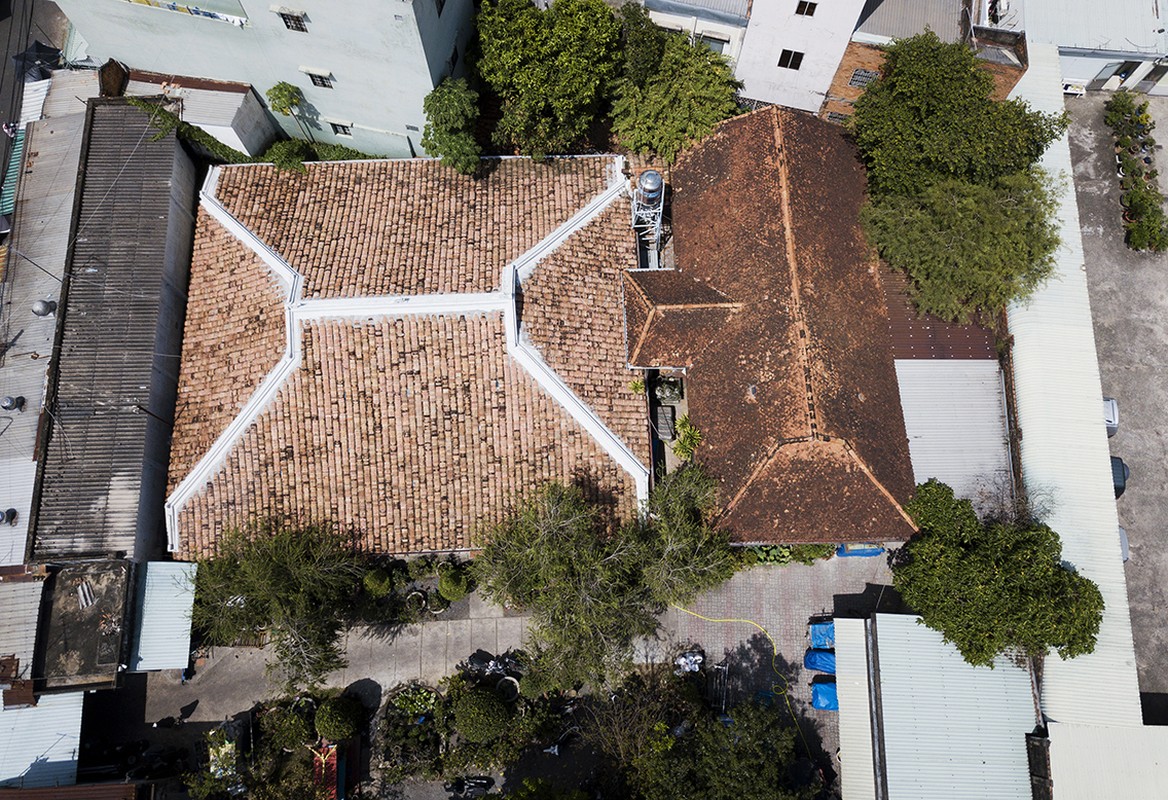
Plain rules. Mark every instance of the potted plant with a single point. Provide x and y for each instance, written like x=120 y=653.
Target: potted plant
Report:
x=1121 y=144
x=415 y=601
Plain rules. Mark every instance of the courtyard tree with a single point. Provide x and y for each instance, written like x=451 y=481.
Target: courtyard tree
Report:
x=287 y=100
x=592 y=586
x=294 y=582
x=451 y=112
x=937 y=146
x=691 y=89
x=993 y=588
x=552 y=69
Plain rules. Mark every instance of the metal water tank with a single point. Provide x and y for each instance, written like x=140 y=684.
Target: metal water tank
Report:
x=651 y=185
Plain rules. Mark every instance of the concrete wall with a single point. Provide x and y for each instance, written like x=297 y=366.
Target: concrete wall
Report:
x=384 y=56
x=774 y=26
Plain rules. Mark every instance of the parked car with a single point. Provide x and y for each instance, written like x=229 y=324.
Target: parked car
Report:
x=1119 y=475
x=1111 y=415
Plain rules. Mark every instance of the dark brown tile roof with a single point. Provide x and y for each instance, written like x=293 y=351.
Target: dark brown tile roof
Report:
x=235 y=333
x=571 y=312
x=670 y=316
x=766 y=212
x=412 y=433
x=914 y=336
x=407 y=227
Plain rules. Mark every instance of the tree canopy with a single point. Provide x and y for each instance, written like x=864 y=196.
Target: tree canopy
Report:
x=451 y=112
x=551 y=68
x=993 y=588
x=294 y=582
x=956 y=199
x=592 y=587
x=673 y=91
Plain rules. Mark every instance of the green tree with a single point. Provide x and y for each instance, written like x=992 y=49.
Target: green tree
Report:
x=931 y=116
x=339 y=718
x=551 y=68
x=752 y=758
x=691 y=90
x=286 y=99
x=451 y=112
x=480 y=716
x=296 y=583
x=993 y=588
x=591 y=590
x=642 y=42
x=967 y=246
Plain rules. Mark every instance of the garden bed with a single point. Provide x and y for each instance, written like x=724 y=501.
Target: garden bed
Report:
x=1145 y=225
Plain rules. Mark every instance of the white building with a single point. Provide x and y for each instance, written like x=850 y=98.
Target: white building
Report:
x=364 y=66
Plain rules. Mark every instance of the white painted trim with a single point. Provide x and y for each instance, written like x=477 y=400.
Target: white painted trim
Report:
x=398 y=305
x=288 y=276
x=526 y=263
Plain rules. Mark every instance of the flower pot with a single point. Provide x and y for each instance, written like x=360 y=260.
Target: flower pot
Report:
x=416 y=600
x=508 y=689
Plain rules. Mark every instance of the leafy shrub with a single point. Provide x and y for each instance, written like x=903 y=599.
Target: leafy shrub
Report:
x=410 y=734
x=765 y=554
x=810 y=553
x=451 y=111
x=421 y=568
x=454 y=582
x=688 y=439
x=415 y=700
x=480 y=716
x=289 y=155
x=339 y=718
x=378 y=583
x=288 y=725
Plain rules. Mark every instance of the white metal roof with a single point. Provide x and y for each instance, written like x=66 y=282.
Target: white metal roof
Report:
x=38 y=745
x=955 y=418
x=1135 y=26
x=166 y=594
x=32 y=100
x=1064 y=452
x=949 y=730
x=21 y=605
x=857 y=772
x=1088 y=762
x=199 y=106
x=900 y=19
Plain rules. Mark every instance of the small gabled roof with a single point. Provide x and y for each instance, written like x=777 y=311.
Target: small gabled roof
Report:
x=669 y=316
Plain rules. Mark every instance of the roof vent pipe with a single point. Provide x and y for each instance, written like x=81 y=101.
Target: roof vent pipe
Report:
x=44 y=308
x=10 y=403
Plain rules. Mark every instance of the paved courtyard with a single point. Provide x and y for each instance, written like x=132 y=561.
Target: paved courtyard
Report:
x=1129 y=304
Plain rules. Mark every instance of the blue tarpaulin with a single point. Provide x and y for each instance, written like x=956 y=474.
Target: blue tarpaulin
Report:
x=822 y=635
x=823 y=696
x=820 y=661
x=861 y=549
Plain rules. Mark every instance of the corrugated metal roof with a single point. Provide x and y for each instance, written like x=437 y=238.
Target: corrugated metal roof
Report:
x=38 y=244
x=1088 y=762
x=21 y=604
x=1064 y=452
x=40 y=743
x=69 y=91
x=955 y=418
x=949 y=730
x=199 y=106
x=900 y=19
x=733 y=12
x=12 y=175
x=108 y=376
x=32 y=100
x=166 y=594
x=857 y=770
x=1134 y=26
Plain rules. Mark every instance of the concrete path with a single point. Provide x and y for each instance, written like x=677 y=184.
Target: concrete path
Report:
x=234 y=678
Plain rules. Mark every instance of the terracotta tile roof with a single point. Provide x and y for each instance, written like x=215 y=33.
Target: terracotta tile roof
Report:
x=571 y=312
x=766 y=212
x=670 y=316
x=235 y=334
x=411 y=432
x=915 y=336
x=407 y=227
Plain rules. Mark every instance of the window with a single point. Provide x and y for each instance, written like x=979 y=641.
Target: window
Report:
x=805 y=9
x=323 y=81
x=715 y=44
x=341 y=129
x=790 y=59
x=837 y=117
x=293 y=22
x=862 y=77
x=413 y=128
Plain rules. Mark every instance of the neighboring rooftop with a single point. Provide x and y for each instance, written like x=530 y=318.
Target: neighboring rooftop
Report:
x=82 y=637
x=111 y=386
x=729 y=12
x=1121 y=26
x=416 y=418
x=795 y=393
x=900 y=19
x=936 y=726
